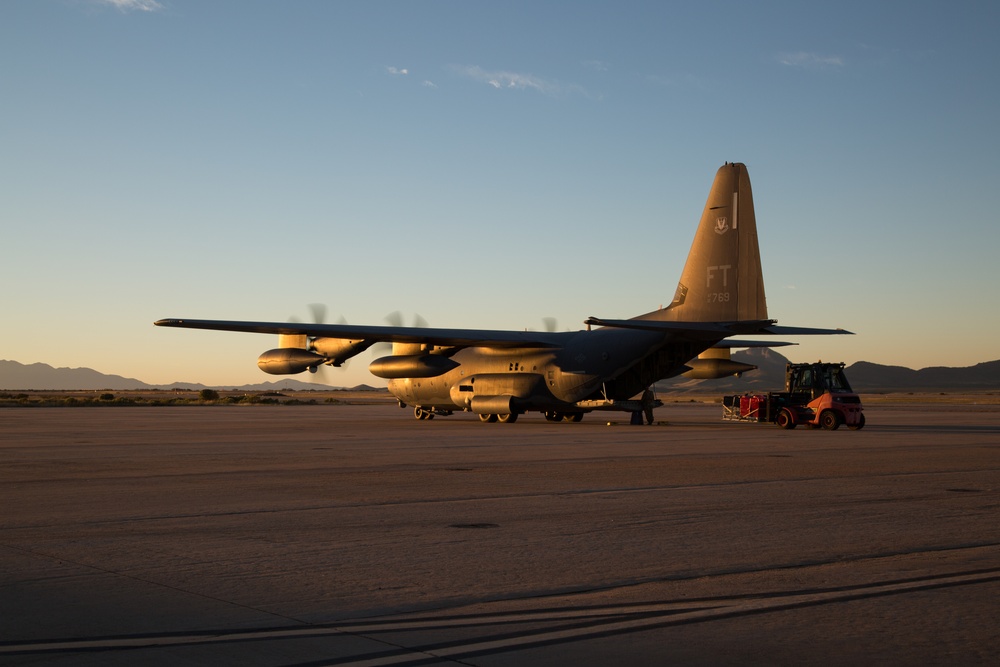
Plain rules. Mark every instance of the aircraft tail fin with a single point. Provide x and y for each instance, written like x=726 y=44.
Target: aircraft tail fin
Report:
x=722 y=279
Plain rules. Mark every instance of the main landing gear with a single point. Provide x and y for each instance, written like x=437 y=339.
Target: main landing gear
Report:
x=509 y=418
x=424 y=414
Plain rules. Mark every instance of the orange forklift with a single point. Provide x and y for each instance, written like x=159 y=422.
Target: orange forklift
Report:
x=817 y=395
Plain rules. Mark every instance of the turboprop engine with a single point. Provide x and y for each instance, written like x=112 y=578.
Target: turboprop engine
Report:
x=715 y=363
x=293 y=356
x=712 y=369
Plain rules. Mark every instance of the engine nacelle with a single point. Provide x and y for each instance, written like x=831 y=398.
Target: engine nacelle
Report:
x=712 y=369
x=339 y=350
x=411 y=366
x=288 y=361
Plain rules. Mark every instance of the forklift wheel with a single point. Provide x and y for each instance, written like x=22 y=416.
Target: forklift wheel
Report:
x=829 y=420
x=785 y=419
x=860 y=425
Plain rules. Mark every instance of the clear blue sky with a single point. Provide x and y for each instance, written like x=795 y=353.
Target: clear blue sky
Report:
x=487 y=165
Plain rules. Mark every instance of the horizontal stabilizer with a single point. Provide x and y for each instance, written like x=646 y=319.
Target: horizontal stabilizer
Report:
x=732 y=343
x=723 y=329
x=696 y=328
x=804 y=331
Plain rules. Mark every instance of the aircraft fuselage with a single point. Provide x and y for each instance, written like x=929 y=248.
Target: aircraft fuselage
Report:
x=611 y=364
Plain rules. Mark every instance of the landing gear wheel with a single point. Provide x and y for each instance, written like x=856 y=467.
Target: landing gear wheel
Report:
x=487 y=419
x=785 y=419
x=508 y=418
x=553 y=416
x=573 y=417
x=422 y=414
x=829 y=420
x=860 y=425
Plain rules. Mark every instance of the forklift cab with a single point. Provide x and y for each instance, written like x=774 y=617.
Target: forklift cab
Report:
x=814 y=380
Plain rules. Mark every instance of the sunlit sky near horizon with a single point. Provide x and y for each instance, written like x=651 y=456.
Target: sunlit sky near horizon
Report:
x=487 y=165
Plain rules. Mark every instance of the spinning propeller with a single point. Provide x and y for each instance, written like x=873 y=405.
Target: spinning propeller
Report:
x=395 y=319
x=319 y=314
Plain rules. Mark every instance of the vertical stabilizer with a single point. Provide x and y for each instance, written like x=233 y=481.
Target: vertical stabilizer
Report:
x=722 y=279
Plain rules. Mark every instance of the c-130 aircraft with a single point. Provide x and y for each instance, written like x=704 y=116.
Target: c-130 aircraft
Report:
x=611 y=365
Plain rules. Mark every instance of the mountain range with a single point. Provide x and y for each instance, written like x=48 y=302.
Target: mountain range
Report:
x=864 y=376
x=25 y=377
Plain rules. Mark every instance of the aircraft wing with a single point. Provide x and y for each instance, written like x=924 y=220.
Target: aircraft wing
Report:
x=380 y=334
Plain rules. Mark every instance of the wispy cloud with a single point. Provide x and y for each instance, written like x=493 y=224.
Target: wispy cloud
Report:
x=428 y=83
x=134 y=5
x=808 y=59
x=503 y=80
x=395 y=71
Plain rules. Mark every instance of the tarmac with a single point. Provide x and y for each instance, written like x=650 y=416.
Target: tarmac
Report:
x=357 y=535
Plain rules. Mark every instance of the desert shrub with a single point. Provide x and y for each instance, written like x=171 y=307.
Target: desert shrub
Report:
x=208 y=395
x=107 y=397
